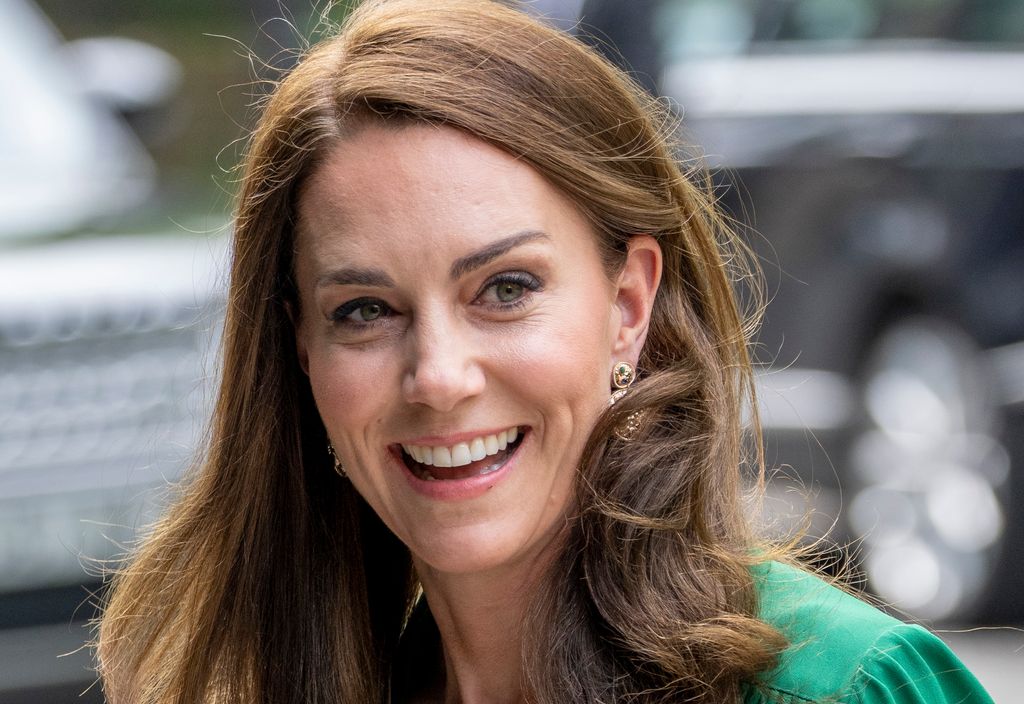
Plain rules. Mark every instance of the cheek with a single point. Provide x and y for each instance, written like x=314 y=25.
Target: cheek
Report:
x=348 y=386
x=565 y=360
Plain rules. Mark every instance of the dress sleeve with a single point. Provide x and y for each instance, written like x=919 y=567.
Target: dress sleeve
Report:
x=909 y=665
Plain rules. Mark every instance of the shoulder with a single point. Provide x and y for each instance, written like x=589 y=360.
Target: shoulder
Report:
x=844 y=650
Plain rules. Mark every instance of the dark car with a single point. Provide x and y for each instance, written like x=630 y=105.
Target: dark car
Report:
x=877 y=149
x=873 y=151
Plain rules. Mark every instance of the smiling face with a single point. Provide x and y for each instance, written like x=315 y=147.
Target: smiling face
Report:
x=458 y=330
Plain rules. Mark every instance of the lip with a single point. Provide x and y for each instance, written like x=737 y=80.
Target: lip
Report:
x=459 y=489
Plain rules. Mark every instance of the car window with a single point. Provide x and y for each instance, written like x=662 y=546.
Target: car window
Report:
x=701 y=27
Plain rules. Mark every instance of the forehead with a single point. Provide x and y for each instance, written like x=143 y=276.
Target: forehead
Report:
x=386 y=186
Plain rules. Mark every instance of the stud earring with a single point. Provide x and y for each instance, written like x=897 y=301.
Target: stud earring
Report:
x=338 y=467
x=623 y=374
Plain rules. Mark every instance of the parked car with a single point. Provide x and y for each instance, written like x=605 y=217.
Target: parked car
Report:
x=104 y=342
x=874 y=151
x=877 y=149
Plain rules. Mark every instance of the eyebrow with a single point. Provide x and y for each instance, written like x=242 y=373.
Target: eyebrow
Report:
x=354 y=276
x=482 y=256
x=377 y=278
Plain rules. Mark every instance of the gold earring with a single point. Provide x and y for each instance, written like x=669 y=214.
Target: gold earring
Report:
x=623 y=376
x=338 y=467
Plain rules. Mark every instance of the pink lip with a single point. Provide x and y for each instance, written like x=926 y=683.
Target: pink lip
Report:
x=459 y=489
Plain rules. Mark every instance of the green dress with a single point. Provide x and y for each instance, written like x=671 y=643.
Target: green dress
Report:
x=842 y=650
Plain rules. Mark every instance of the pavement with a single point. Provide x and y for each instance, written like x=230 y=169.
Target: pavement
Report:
x=995 y=656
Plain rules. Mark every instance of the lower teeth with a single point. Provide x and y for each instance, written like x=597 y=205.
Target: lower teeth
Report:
x=492 y=468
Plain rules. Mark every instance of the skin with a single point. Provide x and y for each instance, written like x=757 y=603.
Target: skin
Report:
x=526 y=338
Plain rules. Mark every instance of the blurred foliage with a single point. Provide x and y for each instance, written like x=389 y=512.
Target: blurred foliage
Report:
x=226 y=48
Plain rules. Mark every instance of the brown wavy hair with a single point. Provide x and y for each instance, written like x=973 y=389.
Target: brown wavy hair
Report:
x=270 y=580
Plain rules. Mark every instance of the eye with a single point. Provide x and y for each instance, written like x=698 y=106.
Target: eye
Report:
x=361 y=311
x=370 y=311
x=509 y=289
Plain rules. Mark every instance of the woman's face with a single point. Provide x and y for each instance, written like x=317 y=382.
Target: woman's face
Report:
x=458 y=330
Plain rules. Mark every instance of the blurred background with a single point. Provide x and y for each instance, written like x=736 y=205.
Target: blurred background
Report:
x=871 y=150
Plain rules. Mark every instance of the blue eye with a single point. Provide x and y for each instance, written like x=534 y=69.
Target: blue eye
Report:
x=361 y=311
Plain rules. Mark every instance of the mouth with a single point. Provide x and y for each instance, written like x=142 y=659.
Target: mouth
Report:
x=477 y=457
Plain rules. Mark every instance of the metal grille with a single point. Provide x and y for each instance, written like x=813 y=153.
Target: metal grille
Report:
x=95 y=415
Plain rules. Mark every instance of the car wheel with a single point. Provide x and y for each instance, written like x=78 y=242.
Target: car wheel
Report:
x=929 y=474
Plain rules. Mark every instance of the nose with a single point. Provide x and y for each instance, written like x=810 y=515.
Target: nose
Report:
x=444 y=367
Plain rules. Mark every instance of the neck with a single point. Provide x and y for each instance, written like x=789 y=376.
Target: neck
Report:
x=480 y=617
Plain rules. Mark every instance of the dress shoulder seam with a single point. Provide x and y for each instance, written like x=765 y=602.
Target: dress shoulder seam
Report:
x=789 y=695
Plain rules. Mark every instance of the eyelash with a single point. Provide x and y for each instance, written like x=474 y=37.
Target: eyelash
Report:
x=530 y=283
x=341 y=313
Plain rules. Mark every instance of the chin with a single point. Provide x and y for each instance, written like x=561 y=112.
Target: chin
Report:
x=481 y=549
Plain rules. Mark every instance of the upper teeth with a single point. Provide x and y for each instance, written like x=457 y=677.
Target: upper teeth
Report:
x=463 y=452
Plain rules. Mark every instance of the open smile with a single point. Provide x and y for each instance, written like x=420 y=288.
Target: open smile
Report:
x=478 y=456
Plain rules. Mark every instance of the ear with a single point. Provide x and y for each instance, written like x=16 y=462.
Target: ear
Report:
x=636 y=287
x=300 y=338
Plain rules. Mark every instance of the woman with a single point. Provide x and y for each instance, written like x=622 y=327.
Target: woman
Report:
x=459 y=233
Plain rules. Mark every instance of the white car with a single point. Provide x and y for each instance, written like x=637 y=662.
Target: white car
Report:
x=106 y=342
